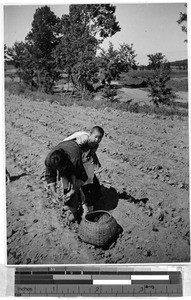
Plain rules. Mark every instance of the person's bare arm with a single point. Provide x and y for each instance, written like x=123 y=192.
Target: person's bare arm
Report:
x=75 y=185
x=52 y=187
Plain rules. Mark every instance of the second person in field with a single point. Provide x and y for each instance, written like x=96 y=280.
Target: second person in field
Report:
x=89 y=143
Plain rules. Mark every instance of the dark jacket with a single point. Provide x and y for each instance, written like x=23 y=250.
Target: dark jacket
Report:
x=74 y=167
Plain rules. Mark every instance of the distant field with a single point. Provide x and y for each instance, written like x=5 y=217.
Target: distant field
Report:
x=147 y=73
x=179 y=73
x=134 y=78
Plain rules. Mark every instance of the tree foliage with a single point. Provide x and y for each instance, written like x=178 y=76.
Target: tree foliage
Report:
x=68 y=44
x=42 y=40
x=182 y=20
x=82 y=31
x=100 y=19
x=23 y=62
x=159 y=92
x=127 y=57
x=8 y=53
x=108 y=61
x=156 y=61
x=113 y=62
x=8 y=56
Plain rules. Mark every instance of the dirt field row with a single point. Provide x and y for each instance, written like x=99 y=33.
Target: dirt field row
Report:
x=144 y=183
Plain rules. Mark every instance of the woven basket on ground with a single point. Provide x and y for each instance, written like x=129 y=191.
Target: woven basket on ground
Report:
x=98 y=228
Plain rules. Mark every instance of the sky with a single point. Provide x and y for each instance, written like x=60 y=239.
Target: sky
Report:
x=151 y=27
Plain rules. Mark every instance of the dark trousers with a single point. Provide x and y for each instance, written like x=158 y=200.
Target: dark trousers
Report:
x=92 y=192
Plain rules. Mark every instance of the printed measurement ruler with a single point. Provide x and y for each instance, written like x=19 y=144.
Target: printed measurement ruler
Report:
x=96 y=281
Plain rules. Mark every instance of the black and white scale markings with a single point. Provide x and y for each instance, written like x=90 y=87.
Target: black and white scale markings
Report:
x=96 y=281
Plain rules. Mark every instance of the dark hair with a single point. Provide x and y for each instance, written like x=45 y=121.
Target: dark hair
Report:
x=98 y=129
x=59 y=158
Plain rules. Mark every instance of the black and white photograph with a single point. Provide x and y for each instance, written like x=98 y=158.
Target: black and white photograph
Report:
x=96 y=133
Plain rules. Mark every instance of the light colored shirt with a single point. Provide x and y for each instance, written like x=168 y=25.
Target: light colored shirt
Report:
x=80 y=137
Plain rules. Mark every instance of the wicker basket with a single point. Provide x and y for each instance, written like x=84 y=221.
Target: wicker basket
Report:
x=98 y=228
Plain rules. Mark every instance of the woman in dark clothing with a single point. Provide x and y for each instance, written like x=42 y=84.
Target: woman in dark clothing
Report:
x=65 y=160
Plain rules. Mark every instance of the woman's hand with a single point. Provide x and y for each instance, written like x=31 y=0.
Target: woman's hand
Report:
x=69 y=195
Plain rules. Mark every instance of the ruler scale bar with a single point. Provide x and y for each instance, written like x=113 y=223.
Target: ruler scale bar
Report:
x=119 y=277
x=65 y=270
x=101 y=290
x=150 y=282
x=67 y=281
x=150 y=277
x=91 y=272
x=151 y=274
x=39 y=276
x=99 y=269
x=111 y=282
x=71 y=277
x=96 y=281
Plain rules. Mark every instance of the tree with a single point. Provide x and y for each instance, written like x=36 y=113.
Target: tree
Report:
x=109 y=64
x=182 y=19
x=115 y=61
x=156 y=61
x=22 y=60
x=159 y=92
x=112 y=63
x=100 y=19
x=82 y=31
x=8 y=56
x=127 y=57
x=76 y=53
x=8 y=53
x=43 y=39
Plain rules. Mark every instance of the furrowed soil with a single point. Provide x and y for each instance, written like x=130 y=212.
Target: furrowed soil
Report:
x=144 y=180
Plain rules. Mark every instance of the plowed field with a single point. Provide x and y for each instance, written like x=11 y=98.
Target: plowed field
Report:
x=144 y=182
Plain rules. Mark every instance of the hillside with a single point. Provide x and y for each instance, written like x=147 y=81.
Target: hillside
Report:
x=183 y=63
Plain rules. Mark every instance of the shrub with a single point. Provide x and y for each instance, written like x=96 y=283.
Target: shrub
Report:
x=159 y=92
